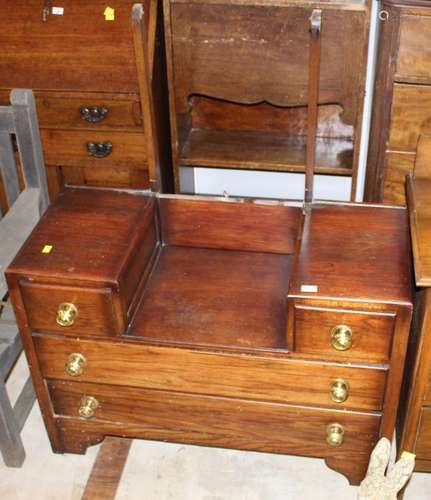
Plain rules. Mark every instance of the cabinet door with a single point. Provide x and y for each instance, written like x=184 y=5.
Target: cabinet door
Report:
x=74 y=48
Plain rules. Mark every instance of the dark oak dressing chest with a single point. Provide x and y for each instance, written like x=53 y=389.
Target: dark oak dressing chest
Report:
x=219 y=322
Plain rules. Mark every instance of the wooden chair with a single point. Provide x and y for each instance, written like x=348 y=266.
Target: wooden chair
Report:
x=25 y=209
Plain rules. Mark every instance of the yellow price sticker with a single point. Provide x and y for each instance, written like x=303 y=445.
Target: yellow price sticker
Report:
x=47 y=249
x=109 y=14
x=408 y=456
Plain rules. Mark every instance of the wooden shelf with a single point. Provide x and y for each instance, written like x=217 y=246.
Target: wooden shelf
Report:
x=274 y=151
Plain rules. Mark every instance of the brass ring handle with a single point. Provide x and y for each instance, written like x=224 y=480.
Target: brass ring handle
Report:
x=335 y=434
x=66 y=314
x=341 y=337
x=339 y=391
x=93 y=114
x=99 y=149
x=89 y=405
x=75 y=364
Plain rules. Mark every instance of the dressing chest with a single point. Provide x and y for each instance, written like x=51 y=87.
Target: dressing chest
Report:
x=218 y=322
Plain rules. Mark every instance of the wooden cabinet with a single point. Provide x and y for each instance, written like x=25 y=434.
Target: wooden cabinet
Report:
x=98 y=84
x=415 y=414
x=401 y=113
x=238 y=78
x=215 y=322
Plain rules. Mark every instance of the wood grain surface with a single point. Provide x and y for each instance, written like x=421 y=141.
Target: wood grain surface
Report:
x=344 y=259
x=99 y=58
x=107 y=470
x=241 y=302
x=230 y=225
x=241 y=424
x=93 y=234
x=414 y=56
x=209 y=372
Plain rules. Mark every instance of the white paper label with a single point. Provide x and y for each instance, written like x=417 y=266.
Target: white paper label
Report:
x=309 y=288
x=58 y=11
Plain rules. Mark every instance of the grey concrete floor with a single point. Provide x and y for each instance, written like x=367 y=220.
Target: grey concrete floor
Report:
x=159 y=471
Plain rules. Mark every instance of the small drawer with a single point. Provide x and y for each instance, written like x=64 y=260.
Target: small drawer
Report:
x=414 y=55
x=78 y=274
x=78 y=148
x=88 y=111
x=237 y=423
x=72 y=310
x=218 y=374
x=343 y=335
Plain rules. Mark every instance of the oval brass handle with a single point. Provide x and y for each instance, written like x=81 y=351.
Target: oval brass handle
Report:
x=99 y=149
x=93 y=114
x=339 y=390
x=341 y=338
x=66 y=314
x=335 y=434
x=89 y=405
x=75 y=364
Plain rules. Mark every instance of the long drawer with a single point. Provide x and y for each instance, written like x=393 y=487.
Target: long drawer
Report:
x=95 y=148
x=219 y=421
x=219 y=374
x=85 y=110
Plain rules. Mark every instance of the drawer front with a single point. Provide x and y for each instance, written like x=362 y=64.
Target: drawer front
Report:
x=316 y=331
x=414 y=56
x=97 y=310
x=423 y=442
x=118 y=177
x=218 y=421
x=96 y=149
x=78 y=50
x=88 y=111
x=410 y=117
x=176 y=369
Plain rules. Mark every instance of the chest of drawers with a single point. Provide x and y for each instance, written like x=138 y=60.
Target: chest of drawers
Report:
x=98 y=81
x=401 y=111
x=216 y=322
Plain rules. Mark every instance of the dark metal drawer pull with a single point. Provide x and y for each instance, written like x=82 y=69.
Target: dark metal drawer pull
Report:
x=99 y=149
x=93 y=114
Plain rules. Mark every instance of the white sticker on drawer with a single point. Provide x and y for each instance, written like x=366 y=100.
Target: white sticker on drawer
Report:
x=58 y=11
x=309 y=288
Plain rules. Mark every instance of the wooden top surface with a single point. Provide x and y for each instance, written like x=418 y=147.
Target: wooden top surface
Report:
x=92 y=233
x=419 y=203
x=354 y=252
x=216 y=297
